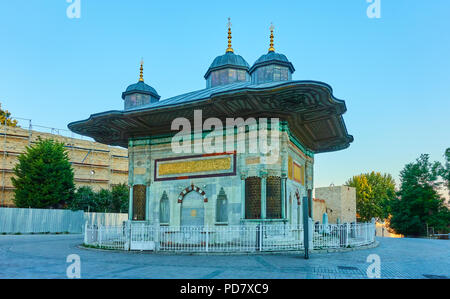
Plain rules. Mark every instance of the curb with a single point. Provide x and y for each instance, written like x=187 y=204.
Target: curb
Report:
x=294 y=252
x=337 y=250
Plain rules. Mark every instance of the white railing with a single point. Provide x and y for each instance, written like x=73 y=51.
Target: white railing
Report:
x=227 y=238
x=343 y=235
x=110 y=237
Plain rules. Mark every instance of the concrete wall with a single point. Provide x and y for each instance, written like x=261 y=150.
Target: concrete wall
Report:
x=340 y=202
x=319 y=208
x=95 y=164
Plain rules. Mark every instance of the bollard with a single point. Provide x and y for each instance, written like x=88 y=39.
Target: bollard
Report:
x=306 y=227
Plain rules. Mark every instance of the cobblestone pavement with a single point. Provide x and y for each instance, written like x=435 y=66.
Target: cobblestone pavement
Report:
x=44 y=256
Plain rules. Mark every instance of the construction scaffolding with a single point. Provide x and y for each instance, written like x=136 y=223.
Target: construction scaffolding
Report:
x=96 y=165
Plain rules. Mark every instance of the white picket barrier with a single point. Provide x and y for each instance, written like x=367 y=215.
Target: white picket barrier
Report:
x=343 y=235
x=227 y=238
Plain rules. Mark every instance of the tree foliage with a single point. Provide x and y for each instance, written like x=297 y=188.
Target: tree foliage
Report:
x=120 y=198
x=84 y=199
x=445 y=170
x=419 y=204
x=43 y=176
x=374 y=192
x=5 y=118
x=104 y=201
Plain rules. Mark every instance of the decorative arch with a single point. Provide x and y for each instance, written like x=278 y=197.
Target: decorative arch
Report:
x=190 y=189
x=222 y=207
x=164 y=209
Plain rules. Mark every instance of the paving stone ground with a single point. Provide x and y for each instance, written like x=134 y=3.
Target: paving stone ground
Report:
x=44 y=256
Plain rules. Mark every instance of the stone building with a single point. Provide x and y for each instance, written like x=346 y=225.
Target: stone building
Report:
x=319 y=208
x=229 y=185
x=94 y=164
x=339 y=202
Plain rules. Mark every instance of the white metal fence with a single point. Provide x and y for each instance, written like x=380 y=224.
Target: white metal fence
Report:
x=233 y=238
x=343 y=235
x=28 y=221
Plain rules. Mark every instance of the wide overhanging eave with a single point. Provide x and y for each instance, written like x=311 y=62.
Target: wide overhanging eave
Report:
x=313 y=113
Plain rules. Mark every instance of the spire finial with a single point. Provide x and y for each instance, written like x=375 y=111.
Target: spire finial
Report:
x=141 y=77
x=229 y=49
x=271 y=49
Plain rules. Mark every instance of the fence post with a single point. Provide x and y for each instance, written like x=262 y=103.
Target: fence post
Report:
x=260 y=228
x=207 y=238
x=100 y=235
x=306 y=227
x=374 y=230
x=157 y=230
x=85 y=232
x=129 y=234
x=367 y=231
x=346 y=234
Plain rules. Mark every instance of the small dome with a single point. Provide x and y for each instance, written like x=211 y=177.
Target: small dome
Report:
x=228 y=60
x=272 y=58
x=142 y=88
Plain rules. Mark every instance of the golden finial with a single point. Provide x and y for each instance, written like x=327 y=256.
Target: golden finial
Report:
x=229 y=49
x=271 y=49
x=141 y=77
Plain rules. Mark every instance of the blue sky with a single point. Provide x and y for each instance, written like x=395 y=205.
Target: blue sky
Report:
x=393 y=72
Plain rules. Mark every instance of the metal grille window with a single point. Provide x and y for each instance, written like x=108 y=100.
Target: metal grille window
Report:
x=139 y=199
x=164 y=209
x=273 y=197
x=222 y=207
x=227 y=76
x=253 y=198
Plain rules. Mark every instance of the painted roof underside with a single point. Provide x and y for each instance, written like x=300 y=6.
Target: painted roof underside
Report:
x=314 y=115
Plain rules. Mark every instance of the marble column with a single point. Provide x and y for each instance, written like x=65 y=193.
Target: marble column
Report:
x=243 y=196
x=130 y=205
x=283 y=197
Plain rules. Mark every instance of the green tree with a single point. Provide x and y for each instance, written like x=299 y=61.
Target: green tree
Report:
x=44 y=176
x=84 y=199
x=374 y=193
x=103 y=199
x=113 y=201
x=419 y=205
x=445 y=170
x=5 y=118
x=120 y=198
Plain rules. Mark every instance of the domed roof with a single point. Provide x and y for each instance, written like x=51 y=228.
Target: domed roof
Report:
x=273 y=58
x=229 y=59
x=140 y=87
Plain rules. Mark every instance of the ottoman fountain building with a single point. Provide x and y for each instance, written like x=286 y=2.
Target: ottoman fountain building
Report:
x=177 y=180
